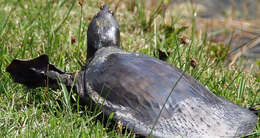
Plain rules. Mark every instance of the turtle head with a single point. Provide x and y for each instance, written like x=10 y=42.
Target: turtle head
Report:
x=103 y=31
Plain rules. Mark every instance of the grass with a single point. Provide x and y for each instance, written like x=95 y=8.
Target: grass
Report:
x=58 y=29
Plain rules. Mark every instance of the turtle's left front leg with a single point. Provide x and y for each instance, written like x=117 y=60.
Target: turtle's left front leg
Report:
x=38 y=72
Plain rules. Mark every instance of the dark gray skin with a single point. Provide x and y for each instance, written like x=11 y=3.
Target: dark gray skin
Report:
x=134 y=87
x=104 y=32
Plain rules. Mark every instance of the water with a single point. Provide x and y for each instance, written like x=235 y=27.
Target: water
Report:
x=236 y=19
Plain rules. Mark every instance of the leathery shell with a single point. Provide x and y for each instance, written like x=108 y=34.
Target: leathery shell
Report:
x=135 y=87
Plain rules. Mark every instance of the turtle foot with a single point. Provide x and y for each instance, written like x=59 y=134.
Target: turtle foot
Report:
x=33 y=72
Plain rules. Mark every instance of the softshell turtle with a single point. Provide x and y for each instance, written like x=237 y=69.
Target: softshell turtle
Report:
x=135 y=87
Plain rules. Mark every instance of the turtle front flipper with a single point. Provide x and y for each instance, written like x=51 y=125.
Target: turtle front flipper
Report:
x=37 y=72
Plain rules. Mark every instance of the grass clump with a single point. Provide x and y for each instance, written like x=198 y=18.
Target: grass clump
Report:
x=58 y=29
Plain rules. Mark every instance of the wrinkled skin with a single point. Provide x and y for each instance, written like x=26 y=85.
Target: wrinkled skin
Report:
x=134 y=87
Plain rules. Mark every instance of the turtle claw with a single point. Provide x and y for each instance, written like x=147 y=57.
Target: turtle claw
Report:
x=32 y=72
